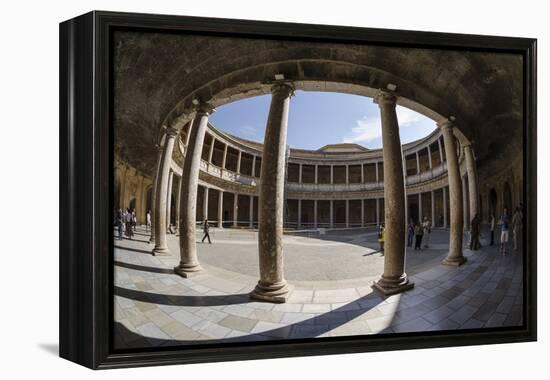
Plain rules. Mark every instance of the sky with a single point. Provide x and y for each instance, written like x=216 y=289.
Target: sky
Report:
x=320 y=118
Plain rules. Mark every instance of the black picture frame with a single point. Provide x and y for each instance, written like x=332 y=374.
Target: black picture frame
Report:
x=86 y=188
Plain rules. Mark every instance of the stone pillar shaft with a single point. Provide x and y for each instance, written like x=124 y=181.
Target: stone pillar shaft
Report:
x=473 y=184
x=239 y=157
x=251 y=212
x=205 y=203
x=331 y=219
x=315 y=213
x=347 y=212
x=189 y=263
x=394 y=279
x=445 y=207
x=220 y=209
x=272 y=286
x=169 y=198
x=377 y=211
x=235 y=209
x=299 y=213
x=178 y=204
x=154 y=195
x=161 y=247
x=455 y=256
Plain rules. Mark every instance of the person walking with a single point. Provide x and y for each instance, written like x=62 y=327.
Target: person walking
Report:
x=427 y=229
x=205 y=230
x=492 y=226
x=148 y=221
x=418 y=232
x=381 y=232
x=410 y=233
x=517 y=221
x=134 y=219
x=119 y=223
x=504 y=223
x=129 y=221
x=474 y=232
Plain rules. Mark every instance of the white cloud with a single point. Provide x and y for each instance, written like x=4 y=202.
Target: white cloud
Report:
x=247 y=131
x=368 y=128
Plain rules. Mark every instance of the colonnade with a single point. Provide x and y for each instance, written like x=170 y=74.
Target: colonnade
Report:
x=272 y=286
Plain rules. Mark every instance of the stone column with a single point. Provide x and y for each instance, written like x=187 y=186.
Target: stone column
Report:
x=239 y=156
x=377 y=175
x=445 y=207
x=205 y=203
x=299 y=213
x=178 y=203
x=362 y=174
x=161 y=248
x=220 y=209
x=430 y=157
x=473 y=184
x=154 y=195
x=394 y=279
x=316 y=174
x=224 y=158
x=272 y=286
x=169 y=199
x=455 y=256
x=251 y=212
x=235 y=209
x=332 y=174
x=211 y=152
x=417 y=163
x=440 y=150
x=315 y=213
x=347 y=174
x=465 y=204
x=299 y=173
x=189 y=263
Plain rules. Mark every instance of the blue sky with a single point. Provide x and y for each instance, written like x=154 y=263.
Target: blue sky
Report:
x=320 y=118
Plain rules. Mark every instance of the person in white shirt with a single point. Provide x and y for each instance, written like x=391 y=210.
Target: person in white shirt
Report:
x=148 y=221
x=427 y=226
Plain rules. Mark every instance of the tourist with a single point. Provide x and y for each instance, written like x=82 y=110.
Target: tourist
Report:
x=134 y=219
x=474 y=232
x=418 y=232
x=129 y=221
x=410 y=233
x=119 y=223
x=381 y=232
x=517 y=221
x=492 y=226
x=148 y=220
x=205 y=230
x=504 y=223
x=427 y=229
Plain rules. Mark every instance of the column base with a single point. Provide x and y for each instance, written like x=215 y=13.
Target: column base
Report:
x=454 y=261
x=161 y=251
x=389 y=286
x=188 y=270
x=276 y=293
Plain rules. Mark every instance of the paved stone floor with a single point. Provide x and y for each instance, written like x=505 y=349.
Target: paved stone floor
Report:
x=330 y=278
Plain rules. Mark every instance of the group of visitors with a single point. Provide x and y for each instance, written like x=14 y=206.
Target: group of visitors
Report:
x=419 y=232
x=126 y=222
x=504 y=222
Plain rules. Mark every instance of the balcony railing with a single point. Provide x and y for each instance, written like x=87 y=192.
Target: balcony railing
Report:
x=243 y=179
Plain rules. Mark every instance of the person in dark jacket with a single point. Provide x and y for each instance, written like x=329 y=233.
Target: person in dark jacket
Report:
x=474 y=232
x=418 y=232
x=205 y=230
x=410 y=233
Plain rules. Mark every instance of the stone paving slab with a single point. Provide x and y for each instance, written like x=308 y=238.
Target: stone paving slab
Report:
x=155 y=307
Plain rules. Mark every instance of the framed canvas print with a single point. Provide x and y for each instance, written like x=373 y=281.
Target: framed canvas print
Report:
x=237 y=189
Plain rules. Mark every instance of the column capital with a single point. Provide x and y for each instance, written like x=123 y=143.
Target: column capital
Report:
x=172 y=132
x=445 y=124
x=204 y=108
x=385 y=97
x=285 y=87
